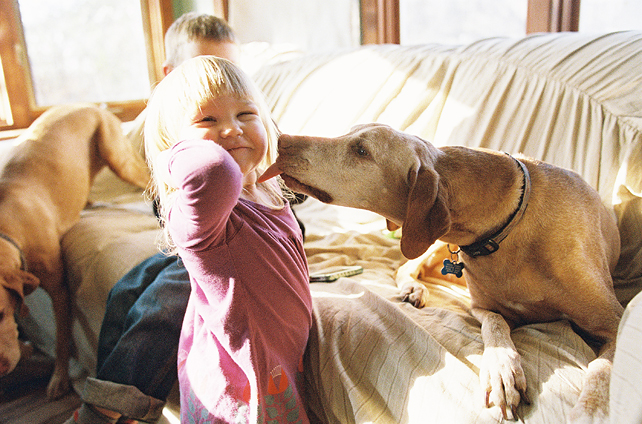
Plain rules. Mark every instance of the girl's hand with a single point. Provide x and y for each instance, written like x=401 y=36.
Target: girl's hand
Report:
x=161 y=168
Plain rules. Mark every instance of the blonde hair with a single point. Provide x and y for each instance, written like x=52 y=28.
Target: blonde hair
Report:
x=193 y=26
x=189 y=86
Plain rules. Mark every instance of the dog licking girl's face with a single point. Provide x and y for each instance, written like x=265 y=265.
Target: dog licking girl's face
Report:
x=346 y=170
x=294 y=184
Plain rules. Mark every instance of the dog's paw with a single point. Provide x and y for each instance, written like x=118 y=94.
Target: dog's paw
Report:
x=59 y=384
x=579 y=415
x=415 y=294
x=593 y=404
x=503 y=380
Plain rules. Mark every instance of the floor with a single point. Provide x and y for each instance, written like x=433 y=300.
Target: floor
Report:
x=23 y=395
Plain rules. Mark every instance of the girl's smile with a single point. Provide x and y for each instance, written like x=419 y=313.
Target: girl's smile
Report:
x=234 y=124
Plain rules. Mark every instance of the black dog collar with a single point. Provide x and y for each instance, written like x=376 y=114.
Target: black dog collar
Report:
x=23 y=259
x=491 y=244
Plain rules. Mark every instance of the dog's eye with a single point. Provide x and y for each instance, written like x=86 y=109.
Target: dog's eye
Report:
x=360 y=150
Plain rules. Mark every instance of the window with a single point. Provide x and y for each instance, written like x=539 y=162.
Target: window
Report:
x=310 y=25
x=30 y=78
x=460 y=21
x=72 y=58
x=612 y=15
x=79 y=51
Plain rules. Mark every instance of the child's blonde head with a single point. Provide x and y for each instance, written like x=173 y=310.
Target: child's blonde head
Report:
x=190 y=86
x=192 y=27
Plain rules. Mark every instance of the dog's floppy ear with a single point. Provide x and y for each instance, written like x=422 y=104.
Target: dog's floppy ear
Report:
x=19 y=282
x=30 y=282
x=427 y=214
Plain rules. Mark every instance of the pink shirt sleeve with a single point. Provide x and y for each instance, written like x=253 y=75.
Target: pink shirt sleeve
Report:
x=210 y=183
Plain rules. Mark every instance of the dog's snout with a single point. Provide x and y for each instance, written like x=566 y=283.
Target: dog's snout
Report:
x=5 y=365
x=293 y=147
x=299 y=142
x=285 y=141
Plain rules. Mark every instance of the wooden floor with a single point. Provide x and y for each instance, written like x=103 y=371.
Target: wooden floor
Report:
x=23 y=398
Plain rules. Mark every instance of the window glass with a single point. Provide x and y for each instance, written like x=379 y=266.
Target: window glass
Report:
x=460 y=21
x=311 y=26
x=85 y=50
x=597 y=16
x=5 y=106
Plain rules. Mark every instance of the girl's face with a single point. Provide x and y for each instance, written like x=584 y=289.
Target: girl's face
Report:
x=232 y=123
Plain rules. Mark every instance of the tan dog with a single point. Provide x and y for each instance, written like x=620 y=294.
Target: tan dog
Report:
x=463 y=196
x=43 y=188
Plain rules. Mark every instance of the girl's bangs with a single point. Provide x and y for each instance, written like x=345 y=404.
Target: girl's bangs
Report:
x=210 y=78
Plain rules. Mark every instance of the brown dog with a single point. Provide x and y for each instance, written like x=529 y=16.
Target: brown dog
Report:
x=44 y=186
x=481 y=200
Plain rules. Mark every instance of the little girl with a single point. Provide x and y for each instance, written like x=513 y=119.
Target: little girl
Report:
x=208 y=135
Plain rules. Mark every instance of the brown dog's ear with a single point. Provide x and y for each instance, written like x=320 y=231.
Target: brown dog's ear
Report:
x=427 y=215
x=22 y=283
x=30 y=282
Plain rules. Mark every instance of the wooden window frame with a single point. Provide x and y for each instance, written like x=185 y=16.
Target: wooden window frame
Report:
x=380 y=22
x=18 y=108
x=552 y=16
x=222 y=9
x=380 y=18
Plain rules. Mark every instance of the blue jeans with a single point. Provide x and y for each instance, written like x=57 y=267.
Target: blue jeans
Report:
x=138 y=340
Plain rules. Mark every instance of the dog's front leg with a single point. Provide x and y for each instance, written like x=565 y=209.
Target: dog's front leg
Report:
x=501 y=374
x=59 y=383
x=593 y=403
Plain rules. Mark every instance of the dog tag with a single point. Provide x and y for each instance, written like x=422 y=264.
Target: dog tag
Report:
x=452 y=265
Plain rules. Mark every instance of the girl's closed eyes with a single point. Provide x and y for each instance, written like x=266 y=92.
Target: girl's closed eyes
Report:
x=244 y=116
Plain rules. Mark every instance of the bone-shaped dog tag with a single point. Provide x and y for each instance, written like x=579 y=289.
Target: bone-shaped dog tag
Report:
x=451 y=267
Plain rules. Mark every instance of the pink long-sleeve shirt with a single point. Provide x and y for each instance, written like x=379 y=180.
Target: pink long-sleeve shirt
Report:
x=249 y=314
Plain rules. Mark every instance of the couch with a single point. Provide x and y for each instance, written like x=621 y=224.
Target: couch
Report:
x=569 y=99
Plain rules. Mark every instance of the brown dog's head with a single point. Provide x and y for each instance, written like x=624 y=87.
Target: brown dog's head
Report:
x=14 y=285
x=373 y=167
